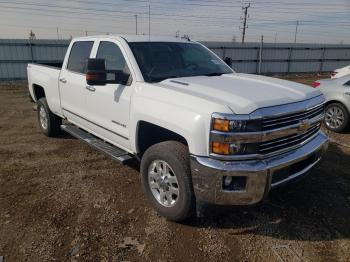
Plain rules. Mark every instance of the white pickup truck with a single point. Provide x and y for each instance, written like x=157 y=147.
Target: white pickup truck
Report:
x=202 y=132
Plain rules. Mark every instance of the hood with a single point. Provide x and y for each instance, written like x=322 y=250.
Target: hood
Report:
x=242 y=93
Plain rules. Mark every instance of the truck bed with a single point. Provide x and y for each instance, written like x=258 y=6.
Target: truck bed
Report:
x=45 y=76
x=57 y=65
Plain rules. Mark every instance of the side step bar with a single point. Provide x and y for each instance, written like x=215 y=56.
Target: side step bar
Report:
x=113 y=151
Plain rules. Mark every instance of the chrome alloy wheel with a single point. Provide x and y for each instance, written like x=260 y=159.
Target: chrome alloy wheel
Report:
x=334 y=117
x=163 y=183
x=43 y=117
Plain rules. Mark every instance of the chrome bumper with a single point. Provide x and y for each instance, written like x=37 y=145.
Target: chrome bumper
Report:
x=258 y=176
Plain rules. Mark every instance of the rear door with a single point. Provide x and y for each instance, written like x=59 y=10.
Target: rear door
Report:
x=72 y=81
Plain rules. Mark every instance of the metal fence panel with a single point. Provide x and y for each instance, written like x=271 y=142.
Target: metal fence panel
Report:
x=275 y=54
x=307 y=54
x=337 y=54
x=274 y=67
x=244 y=67
x=15 y=54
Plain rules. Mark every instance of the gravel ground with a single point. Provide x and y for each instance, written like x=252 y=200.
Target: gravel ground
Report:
x=61 y=200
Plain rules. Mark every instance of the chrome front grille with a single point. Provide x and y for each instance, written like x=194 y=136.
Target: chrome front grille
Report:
x=291 y=119
x=271 y=131
x=289 y=141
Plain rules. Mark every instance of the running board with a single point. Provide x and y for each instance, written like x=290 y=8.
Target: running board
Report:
x=113 y=151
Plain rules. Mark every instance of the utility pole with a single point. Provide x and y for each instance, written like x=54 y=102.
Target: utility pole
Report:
x=260 y=54
x=136 y=23
x=86 y=33
x=245 y=12
x=296 y=32
x=275 y=37
x=149 y=21
x=58 y=35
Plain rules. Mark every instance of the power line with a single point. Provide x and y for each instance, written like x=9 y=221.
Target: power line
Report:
x=126 y=14
x=223 y=18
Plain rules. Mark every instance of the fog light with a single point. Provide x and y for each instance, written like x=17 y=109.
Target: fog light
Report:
x=234 y=183
x=227 y=180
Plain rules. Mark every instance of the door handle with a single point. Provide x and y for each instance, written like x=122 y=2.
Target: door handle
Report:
x=63 y=80
x=91 y=88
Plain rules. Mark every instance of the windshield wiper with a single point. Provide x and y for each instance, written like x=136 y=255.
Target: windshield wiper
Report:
x=214 y=74
x=160 y=79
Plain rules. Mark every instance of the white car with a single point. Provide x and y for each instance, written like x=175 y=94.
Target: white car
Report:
x=340 y=72
x=202 y=132
x=337 y=94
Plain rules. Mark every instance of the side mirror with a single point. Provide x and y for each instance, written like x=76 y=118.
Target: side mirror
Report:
x=96 y=72
x=228 y=61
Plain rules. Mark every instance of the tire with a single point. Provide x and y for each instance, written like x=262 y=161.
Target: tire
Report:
x=176 y=156
x=49 y=123
x=341 y=120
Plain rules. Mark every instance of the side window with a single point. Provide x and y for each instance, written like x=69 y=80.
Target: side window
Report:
x=347 y=83
x=113 y=56
x=79 y=55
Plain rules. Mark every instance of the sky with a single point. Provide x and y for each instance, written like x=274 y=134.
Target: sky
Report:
x=319 y=21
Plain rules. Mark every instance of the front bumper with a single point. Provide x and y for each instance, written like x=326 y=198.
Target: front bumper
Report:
x=258 y=176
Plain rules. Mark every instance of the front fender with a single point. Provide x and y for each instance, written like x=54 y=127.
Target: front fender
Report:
x=191 y=125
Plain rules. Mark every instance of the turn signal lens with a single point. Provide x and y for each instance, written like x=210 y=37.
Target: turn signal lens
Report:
x=221 y=148
x=221 y=125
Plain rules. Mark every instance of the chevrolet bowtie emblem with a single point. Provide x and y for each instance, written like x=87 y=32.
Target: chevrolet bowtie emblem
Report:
x=304 y=125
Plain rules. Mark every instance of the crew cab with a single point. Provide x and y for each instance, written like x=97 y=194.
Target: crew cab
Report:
x=202 y=132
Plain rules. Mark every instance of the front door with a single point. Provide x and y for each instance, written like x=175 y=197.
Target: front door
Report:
x=108 y=106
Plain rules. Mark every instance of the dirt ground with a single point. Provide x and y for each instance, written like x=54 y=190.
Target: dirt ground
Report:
x=61 y=200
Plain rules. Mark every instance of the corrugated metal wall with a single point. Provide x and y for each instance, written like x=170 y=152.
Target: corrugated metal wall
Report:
x=275 y=58
x=16 y=54
x=283 y=58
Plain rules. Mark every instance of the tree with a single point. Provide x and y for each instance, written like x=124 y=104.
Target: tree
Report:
x=234 y=39
x=186 y=37
x=32 y=35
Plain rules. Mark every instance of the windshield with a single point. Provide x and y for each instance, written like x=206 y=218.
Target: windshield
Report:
x=161 y=60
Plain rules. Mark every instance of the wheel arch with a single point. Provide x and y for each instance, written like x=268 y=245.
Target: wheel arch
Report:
x=335 y=101
x=38 y=91
x=148 y=134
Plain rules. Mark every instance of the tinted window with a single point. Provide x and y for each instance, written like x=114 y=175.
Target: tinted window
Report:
x=347 y=83
x=113 y=56
x=162 y=60
x=79 y=55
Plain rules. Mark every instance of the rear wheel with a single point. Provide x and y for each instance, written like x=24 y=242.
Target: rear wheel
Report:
x=337 y=117
x=49 y=123
x=166 y=180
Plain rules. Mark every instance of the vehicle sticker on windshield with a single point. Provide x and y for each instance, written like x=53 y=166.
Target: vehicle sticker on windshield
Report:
x=216 y=62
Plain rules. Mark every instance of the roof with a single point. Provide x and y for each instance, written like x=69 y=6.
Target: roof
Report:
x=139 y=38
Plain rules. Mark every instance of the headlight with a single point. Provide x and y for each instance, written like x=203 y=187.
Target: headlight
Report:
x=223 y=130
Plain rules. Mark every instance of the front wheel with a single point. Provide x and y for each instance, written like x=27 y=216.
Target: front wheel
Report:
x=337 y=117
x=166 y=180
